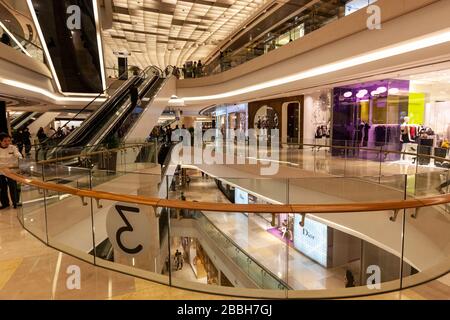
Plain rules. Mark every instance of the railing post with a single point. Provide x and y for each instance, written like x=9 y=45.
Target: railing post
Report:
x=379 y=172
x=417 y=160
x=345 y=156
x=99 y=206
x=403 y=237
x=169 y=247
x=45 y=207
x=315 y=156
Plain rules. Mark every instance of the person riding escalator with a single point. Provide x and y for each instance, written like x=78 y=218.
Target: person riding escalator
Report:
x=134 y=95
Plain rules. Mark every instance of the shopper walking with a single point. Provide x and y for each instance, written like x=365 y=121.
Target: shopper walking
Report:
x=169 y=134
x=349 y=279
x=199 y=70
x=184 y=71
x=17 y=139
x=26 y=138
x=178 y=260
x=41 y=135
x=9 y=157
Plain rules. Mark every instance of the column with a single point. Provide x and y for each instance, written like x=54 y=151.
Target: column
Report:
x=3 y=117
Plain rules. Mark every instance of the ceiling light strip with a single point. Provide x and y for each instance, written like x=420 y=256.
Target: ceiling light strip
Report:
x=402 y=48
x=99 y=43
x=51 y=95
x=15 y=39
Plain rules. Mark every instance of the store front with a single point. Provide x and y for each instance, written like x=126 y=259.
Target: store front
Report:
x=284 y=114
x=231 y=117
x=370 y=115
x=317 y=117
x=410 y=114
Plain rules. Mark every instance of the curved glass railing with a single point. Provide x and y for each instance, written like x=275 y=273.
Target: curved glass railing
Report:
x=300 y=21
x=16 y=41
x=316 y=236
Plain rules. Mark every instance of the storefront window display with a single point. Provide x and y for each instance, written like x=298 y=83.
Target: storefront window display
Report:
x=410 y=114
x=282 y=114
x=266 y=118
x=370 y=115
x=231 y=117
x=429 y=106
x=317 y=120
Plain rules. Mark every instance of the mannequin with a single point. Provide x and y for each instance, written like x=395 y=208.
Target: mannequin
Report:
x=404 y=131
x=405 y=138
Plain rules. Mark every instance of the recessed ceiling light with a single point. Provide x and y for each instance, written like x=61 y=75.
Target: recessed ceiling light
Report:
x=394 y=91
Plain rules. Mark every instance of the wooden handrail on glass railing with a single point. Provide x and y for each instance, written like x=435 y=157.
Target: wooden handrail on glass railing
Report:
x=225 y=207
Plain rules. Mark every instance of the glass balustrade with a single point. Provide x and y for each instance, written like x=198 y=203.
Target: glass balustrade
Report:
x=31 y=48
x=300 y=22
x=303 y=252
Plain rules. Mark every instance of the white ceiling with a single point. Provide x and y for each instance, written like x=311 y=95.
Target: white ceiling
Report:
x=170 y=32
x=436 y=84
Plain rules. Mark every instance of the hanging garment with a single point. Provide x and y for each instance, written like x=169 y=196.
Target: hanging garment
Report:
x=366 y=135
x=413 y=132
x=380 y=136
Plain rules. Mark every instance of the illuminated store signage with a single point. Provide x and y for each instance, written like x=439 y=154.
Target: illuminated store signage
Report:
x=311 y=240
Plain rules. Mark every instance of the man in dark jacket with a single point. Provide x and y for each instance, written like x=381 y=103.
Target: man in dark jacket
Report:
x=163 y=153
x=134 y=95
x=26 y=138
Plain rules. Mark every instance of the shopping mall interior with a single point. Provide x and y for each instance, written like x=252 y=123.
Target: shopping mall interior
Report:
x=224 y=149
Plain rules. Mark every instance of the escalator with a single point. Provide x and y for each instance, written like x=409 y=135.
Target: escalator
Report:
x=118 y=127
x=109 y=125
x=20 y=118
x=24 y=120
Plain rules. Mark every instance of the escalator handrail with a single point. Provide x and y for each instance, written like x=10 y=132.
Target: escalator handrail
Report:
x=93 y=100
x=165 y=78
x=84 y=108
x=14 y=122
x=25 y=122
x=117 y=118
x=151 y=88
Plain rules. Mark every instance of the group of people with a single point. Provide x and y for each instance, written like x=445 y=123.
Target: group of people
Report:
x=165 y=133
x=193 y=70
x=22 y=139
x=58 y=134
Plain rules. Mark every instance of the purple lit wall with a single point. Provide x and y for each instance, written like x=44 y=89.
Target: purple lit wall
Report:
x=382 y=130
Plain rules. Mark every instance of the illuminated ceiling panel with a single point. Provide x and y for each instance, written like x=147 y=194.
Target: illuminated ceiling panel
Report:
x=170 y=32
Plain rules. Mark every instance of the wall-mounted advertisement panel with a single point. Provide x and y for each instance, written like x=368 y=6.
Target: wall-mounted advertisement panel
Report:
x=312 y=239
